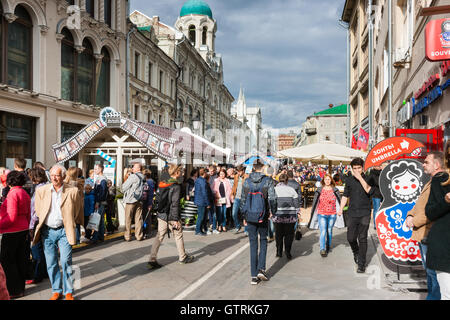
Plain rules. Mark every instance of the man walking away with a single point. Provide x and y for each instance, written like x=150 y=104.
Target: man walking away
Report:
x=258 y=199
x=236 y=194
x=421 y=225
x=438 y=211
x=169 y=217
x=377 y=198
x=133 y=190
x=359 y=192
x=101 y=197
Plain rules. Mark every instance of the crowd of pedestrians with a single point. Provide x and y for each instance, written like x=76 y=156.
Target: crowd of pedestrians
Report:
x=44 y=213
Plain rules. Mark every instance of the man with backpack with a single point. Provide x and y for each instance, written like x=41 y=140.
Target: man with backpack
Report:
x=133 y=190
x=258 y=200
x=167 y=205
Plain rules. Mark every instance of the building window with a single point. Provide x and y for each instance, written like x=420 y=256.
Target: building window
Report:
x=192 y=34
x=17 y=139
x=90 y=7
x=103 y=81
x=204 y=34
x=171 y=88
x=161 y=120
x=68 y=130
x=161 y=80
x=108 y=12
x=137 y=57
x=85 y=75
x=150 y=70
x=136 y=112
x=68 y=66
x=16 y=43
x=70 y=2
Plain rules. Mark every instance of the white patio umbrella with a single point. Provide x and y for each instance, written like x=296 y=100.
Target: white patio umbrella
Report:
x=324 y=152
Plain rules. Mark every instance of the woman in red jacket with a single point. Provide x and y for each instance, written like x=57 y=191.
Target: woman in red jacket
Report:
x=14 y=223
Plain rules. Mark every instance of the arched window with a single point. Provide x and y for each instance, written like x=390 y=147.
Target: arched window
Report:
x=90 y=7
x=103 y=81
x=85 y=74
x=68 y=66
x=17 y=45
x=192 y=34
x=107 y=5
x=204 y=33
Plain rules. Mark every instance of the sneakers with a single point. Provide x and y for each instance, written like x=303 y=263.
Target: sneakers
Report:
x=201 y=234
x=216 y=232
x=255 y=280
x=69 y=296
x=361 y=269
x=237 y=230
x=208 y=233
x=56 y=296
x=323 y=253
x=355 y=257
x=188 y=259
x=262 y=275
x=152 y=265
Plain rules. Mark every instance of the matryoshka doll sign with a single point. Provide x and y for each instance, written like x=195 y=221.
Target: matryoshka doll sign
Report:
x=401 y=184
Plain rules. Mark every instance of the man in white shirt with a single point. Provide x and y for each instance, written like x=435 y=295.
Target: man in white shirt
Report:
x=58 y=213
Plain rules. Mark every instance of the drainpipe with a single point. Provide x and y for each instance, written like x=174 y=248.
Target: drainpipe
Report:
x=132 y=30
x=391 y=133
x=371 y=84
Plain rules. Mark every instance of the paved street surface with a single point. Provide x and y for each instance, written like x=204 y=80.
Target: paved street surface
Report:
x=116 y=270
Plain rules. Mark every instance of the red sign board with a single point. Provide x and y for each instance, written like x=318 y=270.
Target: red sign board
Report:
x=363 y=140
x=391 y=149
x=427 y=85
x=437 y=40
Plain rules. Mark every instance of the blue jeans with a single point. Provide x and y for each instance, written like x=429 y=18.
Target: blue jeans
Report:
x=100 y=234
x=54 y=240
x=434 y=291
x=235 y=213
x=376 y=202
x=326 y=224
x=257 y=261
x=222 y=215
x=212 y=216
x=200 y=218
x=37 y=252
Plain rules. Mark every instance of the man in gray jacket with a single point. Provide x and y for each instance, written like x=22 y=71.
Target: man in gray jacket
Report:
x=133 y=189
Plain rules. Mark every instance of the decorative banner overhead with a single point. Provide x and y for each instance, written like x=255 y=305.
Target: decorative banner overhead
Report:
x=401 y=184
x=109 y=118
x=437 y=40
x=391 y=149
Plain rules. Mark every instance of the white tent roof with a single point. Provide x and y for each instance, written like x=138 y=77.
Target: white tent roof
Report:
x=323 y=152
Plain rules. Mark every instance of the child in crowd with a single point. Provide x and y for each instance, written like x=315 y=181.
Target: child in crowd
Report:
x=89 y=204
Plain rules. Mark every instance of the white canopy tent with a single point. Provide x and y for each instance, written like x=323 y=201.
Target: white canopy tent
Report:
x=325 y=152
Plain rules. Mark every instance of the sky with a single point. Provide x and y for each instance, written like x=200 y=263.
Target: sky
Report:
x=288 y=55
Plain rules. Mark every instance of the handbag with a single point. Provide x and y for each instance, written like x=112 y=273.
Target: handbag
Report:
x=94 y=221
x=298 y=233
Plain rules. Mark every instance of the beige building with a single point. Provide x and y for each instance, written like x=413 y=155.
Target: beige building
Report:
x=198 y=87
x=56 y=77
x=410 y=69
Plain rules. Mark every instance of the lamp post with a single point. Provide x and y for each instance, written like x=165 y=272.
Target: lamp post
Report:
x=196 y=123
x=179 y=123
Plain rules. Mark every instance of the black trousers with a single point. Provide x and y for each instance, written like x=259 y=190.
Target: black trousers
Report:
x=357 y=230
x=110 y=213
x=15 y=259
x=284 y=232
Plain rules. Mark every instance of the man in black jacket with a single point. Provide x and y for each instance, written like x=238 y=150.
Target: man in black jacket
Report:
x=258 y=260
x=359 y=192
x=169 y=217
x=377 y=198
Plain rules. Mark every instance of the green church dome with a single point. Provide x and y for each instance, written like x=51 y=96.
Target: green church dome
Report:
x=196 y=7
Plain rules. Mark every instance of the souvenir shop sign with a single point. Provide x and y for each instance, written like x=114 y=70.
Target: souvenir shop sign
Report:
x=401 y=184
x=437 y=40
x=391 y=149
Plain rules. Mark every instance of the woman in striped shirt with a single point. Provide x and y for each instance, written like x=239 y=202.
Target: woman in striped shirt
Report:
x=288 y=204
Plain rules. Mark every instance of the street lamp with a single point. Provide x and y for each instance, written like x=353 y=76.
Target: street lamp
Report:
x=196 y=123
x=179 y=123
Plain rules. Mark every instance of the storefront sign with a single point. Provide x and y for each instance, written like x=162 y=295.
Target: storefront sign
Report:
x=445 y=67
x=437 y=40
x=404 y=114
x=390 y=149
x=427 y=85
x=425 y=102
